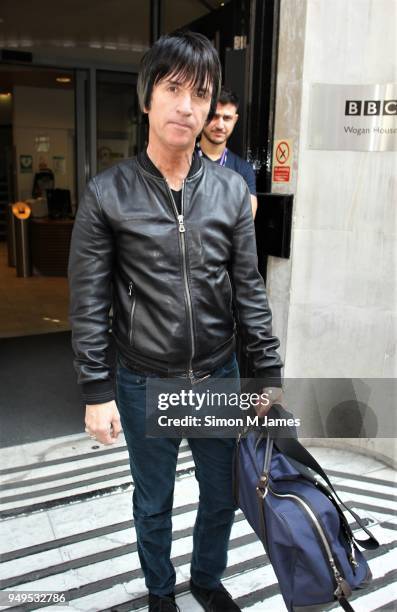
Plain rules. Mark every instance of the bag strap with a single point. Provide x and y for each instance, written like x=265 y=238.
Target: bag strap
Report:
x=294 y=449
x=345 y=604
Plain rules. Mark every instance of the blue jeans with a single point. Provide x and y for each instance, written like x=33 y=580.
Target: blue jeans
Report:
x=153 y=467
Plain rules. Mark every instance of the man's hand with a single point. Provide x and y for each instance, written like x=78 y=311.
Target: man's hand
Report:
x=274 y=395
x=103 y=422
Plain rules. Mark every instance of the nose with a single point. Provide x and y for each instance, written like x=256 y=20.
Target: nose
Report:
x=219 y=123
x=184 y=105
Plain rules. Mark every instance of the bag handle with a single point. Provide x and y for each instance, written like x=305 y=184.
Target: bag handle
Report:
x=294 y=449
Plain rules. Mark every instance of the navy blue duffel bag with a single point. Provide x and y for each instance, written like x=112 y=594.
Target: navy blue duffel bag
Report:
x=308 y=539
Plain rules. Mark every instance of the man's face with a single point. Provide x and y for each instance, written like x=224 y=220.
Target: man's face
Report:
x=177 y=113
x=220 y=128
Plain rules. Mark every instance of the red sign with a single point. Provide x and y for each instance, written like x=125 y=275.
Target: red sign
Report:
x=282 y=152
x=282 y=160
x=281 y=174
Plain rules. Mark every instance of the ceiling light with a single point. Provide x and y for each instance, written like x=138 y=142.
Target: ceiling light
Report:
x=63 y=80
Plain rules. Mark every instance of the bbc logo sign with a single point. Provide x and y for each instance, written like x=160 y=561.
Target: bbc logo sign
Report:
x=370 y=107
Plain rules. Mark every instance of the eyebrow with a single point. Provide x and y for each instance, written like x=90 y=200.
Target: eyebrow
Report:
x=225 y=116
x=170 y=81
x=173 y=82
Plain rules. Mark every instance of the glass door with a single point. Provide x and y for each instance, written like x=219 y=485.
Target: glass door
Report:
x=120 y=124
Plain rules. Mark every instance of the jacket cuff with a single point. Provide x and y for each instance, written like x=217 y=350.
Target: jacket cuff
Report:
x=269 y=377
x=98 y=392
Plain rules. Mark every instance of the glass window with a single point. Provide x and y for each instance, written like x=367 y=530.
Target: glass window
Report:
x=119 y=120
x=41 y=130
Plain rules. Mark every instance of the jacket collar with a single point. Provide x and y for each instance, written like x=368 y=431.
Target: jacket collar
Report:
x=146 y=163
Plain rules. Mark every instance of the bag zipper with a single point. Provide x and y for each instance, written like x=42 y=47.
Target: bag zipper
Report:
x=263 y=485
x=346 y=527
x=343 y=588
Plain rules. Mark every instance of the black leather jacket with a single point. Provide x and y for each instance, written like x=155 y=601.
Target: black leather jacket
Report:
x=170 y=278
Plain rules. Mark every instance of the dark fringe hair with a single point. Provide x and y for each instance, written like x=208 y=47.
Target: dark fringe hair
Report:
x=227 y=96
x=189 y=56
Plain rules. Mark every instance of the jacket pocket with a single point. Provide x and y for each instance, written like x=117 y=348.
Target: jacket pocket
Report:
x=229 y=282
x=132 y=294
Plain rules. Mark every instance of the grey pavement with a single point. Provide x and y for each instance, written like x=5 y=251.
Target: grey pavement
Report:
x=66 y=526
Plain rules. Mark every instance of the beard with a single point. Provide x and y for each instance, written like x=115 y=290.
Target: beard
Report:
x=215 y=139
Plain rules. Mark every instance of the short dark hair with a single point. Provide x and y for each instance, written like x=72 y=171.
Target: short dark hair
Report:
x=188 y=55
x=227 y=96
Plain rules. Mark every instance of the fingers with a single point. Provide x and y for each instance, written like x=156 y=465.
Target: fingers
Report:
x=274 y=395
x=116 y=427
x=105 y=436
x=103 y=422
x=101 y=435
x=262 y=409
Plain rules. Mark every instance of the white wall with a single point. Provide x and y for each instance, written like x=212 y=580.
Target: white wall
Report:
x=337 y=294
x=44 y=112
x=342 y=318
x=287 y=125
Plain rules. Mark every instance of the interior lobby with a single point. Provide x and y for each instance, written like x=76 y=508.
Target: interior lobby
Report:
x=68 y=109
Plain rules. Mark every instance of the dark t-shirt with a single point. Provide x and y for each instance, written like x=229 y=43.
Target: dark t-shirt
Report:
x=177 y=195
x=238 y=164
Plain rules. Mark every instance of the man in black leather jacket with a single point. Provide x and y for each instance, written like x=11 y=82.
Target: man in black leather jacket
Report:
x=167 y=239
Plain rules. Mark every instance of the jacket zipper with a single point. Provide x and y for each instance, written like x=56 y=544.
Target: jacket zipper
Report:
x=343 y=588
x=182 y=242
x=132 y=310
